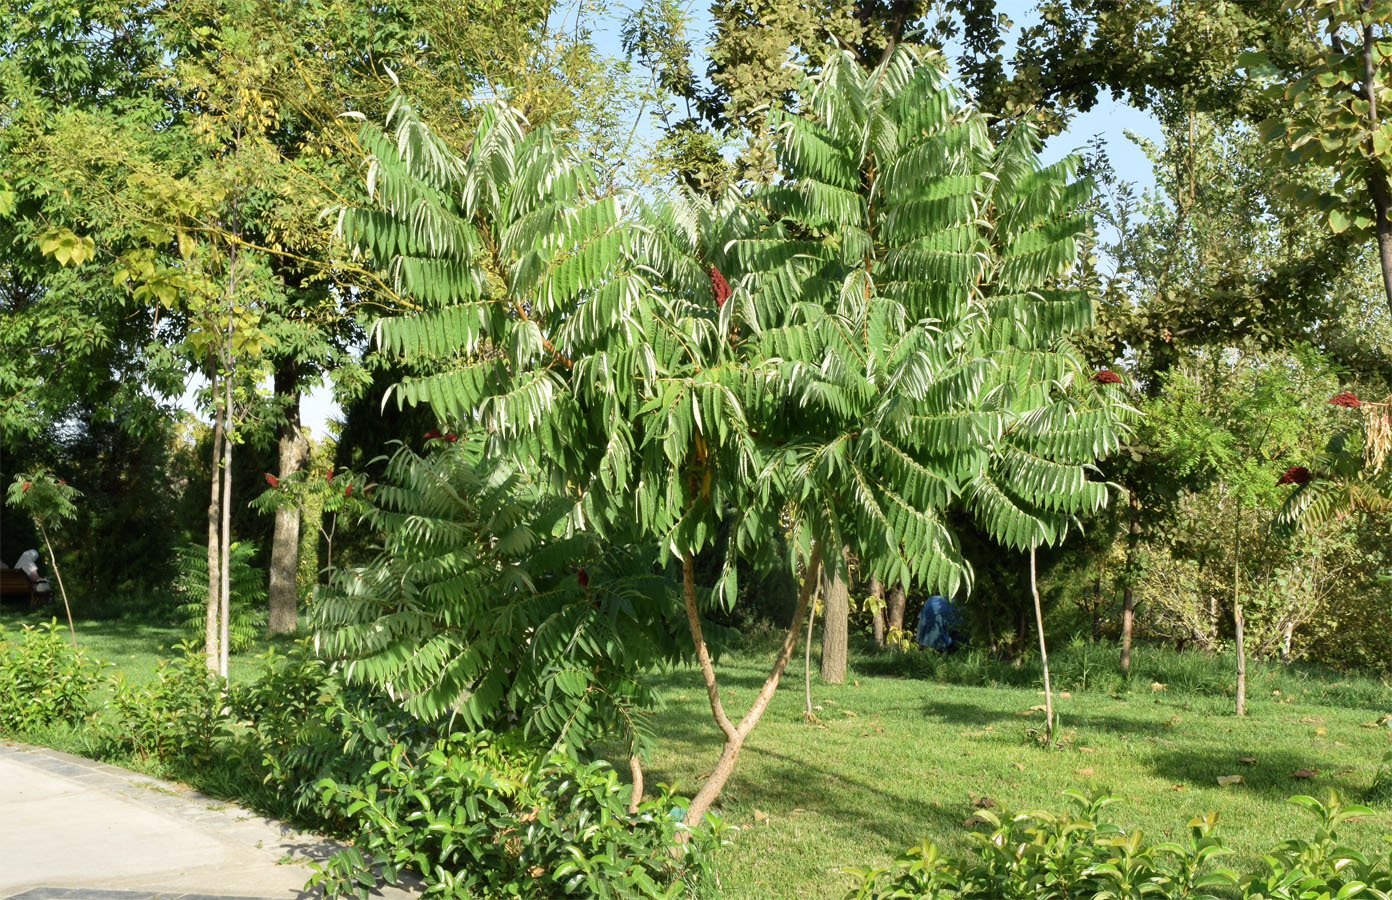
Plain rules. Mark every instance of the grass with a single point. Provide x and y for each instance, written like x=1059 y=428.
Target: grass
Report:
x=894 y=759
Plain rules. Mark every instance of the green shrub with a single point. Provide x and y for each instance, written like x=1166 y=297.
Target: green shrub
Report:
x=302 y=724
x=1036 y=854
x=481 y=817
x=43 y=680
x=246 y=618
x=180 y=717
x=1381 y=789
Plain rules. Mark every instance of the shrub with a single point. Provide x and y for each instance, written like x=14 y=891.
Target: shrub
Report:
x=480 y=817
x=43 y=680
x=180 y=717
x=246 y=617
x=1078 y=853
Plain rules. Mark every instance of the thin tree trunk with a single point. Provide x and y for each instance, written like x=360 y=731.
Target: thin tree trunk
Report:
x=53 y=561
x=635 y=768
x=225 y=541
x=1128 y=594
x=1238 y=619
x=1377 y=176
x=807 y=715
x=735 y=734
x=836 y=626
x=285 y=542
x=1286 y=638
x=877 y=618
x=1043 y=654
x=211 y=645
x=894 y=609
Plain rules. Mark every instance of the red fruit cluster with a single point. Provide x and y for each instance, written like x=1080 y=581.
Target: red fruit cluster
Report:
x=719 y=287
x=451 y=437
x=24 y=487
x=272 y=480
x=583 y=577
x=61 y=481
x=1294 y=475
x=1346 y=399
x=1106 y=376
x=432 y=434
x=328 y=478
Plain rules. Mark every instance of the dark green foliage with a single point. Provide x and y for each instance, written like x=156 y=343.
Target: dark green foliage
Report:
x=481 y=606
x=1078 y=853
x=43 y=679
x=247 y=614
x=179 y=718
x=483 y=818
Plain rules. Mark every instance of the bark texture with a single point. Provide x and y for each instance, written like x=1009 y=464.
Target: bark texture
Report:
x=283 y=591
x=735 y=734
x=877 y=619
x=836 y=626
x=894 y=608
x=211 y=652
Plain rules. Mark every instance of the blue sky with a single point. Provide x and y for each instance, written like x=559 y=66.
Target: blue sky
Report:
x=1110 y=119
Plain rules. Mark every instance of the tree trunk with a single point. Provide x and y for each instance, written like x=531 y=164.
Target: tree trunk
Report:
x=1377 y=176
x=211 y=651
x=1128 y=594
x=225 y=542
x=877 y=618
x=635 y=768
x=894 y=609
x=1043 y=655
x=1286 y=637
x=53 y=561
x=285 y=543
x=1238 y=619
x=807 y=715
x=836 y=616
x=735 y=734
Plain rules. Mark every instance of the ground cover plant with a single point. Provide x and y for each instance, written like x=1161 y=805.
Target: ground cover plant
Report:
x=892 y=761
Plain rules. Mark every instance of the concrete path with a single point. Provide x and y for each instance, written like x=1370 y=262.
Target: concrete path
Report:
x=73 y=829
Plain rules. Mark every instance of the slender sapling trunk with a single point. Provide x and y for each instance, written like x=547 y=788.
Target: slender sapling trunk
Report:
x=735 y=734
x=1043 y=654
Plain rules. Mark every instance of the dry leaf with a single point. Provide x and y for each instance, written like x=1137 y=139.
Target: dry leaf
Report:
x=1275 y=693
x=1247 y=760
x=761 y=816
x=848 y=712
x=984 y=803
x=1065 y=695
x=1020 y=766
x=1321 y=730
x=1086 y=750
x=1039 y=708
x=855 y=684
x=971 y=820
x=1304 y=773
x=1084 y=771
x=1157 y=686
x=1308 y=720
x=1177 y=787
x=1225 y=780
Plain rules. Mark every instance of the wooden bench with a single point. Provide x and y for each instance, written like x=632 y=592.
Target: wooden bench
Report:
x=13 y=582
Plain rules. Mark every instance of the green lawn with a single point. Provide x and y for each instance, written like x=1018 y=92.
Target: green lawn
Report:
x=893 y=760
x=896 y=759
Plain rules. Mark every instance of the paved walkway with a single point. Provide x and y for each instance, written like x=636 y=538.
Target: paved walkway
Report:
x=73 y=829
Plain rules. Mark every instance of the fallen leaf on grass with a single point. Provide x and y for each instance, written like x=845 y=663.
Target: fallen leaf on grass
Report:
x=1157 y=686
x=1065 y=695
x=1304 y=773
x=984 y=803
x=761 y=816
x=971 y=820
x=1020 y=766
x=1083 y=771
x=1247 y=760
x=1225 y=780
x=1039 y=708
x=1177 y=787
x=848 y=712
x=1321 y=730
x=1086 y=750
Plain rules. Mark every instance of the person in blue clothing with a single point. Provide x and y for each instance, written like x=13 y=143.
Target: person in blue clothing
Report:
x=935 y=622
